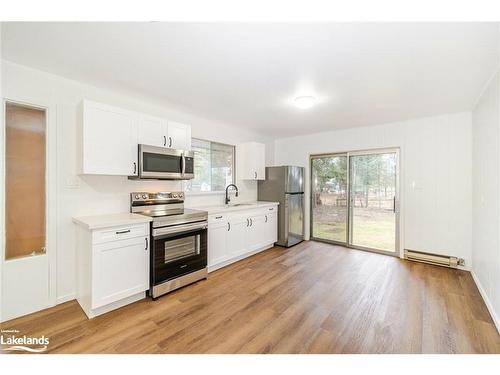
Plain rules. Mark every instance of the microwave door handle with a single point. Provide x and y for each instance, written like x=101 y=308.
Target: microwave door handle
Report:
x=183 y=164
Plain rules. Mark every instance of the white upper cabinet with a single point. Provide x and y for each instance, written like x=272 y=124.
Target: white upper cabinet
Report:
x=109 y=138
x=159 y=132
x=252 y=156
x=152 y=131
x=179 y=136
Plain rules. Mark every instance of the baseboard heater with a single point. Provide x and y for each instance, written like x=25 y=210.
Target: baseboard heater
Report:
x=436 y=259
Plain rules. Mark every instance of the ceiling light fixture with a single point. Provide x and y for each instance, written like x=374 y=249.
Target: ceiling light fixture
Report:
x=305 y=102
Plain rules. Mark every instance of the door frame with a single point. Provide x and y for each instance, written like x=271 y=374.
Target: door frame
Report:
x=50 y=192
x=348 y=241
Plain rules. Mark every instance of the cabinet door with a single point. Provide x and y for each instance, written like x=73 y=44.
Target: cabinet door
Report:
x=109 y=138
x=152 y=131
x=256 y=232
x=179 y=136
x=120 y=269
x=236 y=243
x=271 y=228
x=260 y=167
x=252 y=165
x=217 y=243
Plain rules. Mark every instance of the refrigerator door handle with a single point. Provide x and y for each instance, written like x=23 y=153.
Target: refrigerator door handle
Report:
x=285 y=214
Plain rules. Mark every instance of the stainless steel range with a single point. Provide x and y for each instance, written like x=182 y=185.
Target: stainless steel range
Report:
x=178 y=240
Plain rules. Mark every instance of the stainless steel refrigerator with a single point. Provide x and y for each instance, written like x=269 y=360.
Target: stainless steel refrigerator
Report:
x=285 y=185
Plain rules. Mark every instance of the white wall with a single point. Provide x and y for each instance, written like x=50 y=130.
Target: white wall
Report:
x=486 y=196
x=102 y=194
x=435 y=166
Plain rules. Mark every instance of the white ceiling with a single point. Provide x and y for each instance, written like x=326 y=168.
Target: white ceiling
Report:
x=248 y=74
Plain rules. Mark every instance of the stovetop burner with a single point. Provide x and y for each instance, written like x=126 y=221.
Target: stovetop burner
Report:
x=166 y=208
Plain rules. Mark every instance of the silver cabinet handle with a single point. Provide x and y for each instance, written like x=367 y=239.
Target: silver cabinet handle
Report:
x=164 y=140
x=251 y=222
x=123 y=231
x=228 y=226
x=272 y=208
x=218 y=217
x=146 y=248
x=255 y=175
x=169 y=141
x=266 y=218
x=248 y=222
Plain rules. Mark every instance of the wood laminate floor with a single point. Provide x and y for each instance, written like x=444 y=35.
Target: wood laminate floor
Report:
x=312 y=298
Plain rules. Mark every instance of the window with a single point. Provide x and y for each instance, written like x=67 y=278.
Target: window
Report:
x=25 y=130
x=213 y=166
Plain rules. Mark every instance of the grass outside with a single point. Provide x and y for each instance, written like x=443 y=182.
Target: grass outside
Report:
x=372 y=227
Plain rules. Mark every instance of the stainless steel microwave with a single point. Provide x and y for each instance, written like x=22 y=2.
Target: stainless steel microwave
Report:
x=164 y=163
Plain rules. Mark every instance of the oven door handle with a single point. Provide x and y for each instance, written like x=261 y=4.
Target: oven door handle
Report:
x=179 y=228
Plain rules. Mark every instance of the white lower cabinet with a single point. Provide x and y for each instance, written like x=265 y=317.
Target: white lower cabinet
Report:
x=271 y=226
x=217 y=234
x=113 y=267
x=235 y=236
x=255 y=235
x=119 y=270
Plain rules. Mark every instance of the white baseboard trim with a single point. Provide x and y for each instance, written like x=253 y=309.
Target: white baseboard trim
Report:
x=65 y=298
x=487 y=301
x=92 y=313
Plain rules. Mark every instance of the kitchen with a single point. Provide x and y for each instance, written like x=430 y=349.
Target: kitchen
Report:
x=181 y=245
x=165 y=221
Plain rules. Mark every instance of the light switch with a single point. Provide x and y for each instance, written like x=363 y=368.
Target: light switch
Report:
x=73 y=182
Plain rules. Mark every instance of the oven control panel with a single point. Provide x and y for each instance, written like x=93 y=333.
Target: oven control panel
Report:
x=152 y=197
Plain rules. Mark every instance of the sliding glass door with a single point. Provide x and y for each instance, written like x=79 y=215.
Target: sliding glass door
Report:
x=329 y=198
x=373 y=200
x=354 y=199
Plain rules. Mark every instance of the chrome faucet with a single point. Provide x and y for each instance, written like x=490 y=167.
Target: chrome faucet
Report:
x=227 y=193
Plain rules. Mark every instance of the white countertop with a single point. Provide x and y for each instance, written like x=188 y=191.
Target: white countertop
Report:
x=238 y=207
x=106 y=221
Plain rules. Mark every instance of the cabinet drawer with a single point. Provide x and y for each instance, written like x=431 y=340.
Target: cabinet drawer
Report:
x=217 y=218
x=120 y=233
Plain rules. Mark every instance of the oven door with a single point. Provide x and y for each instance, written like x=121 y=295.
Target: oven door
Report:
x=165 y=163
x=178 y=250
